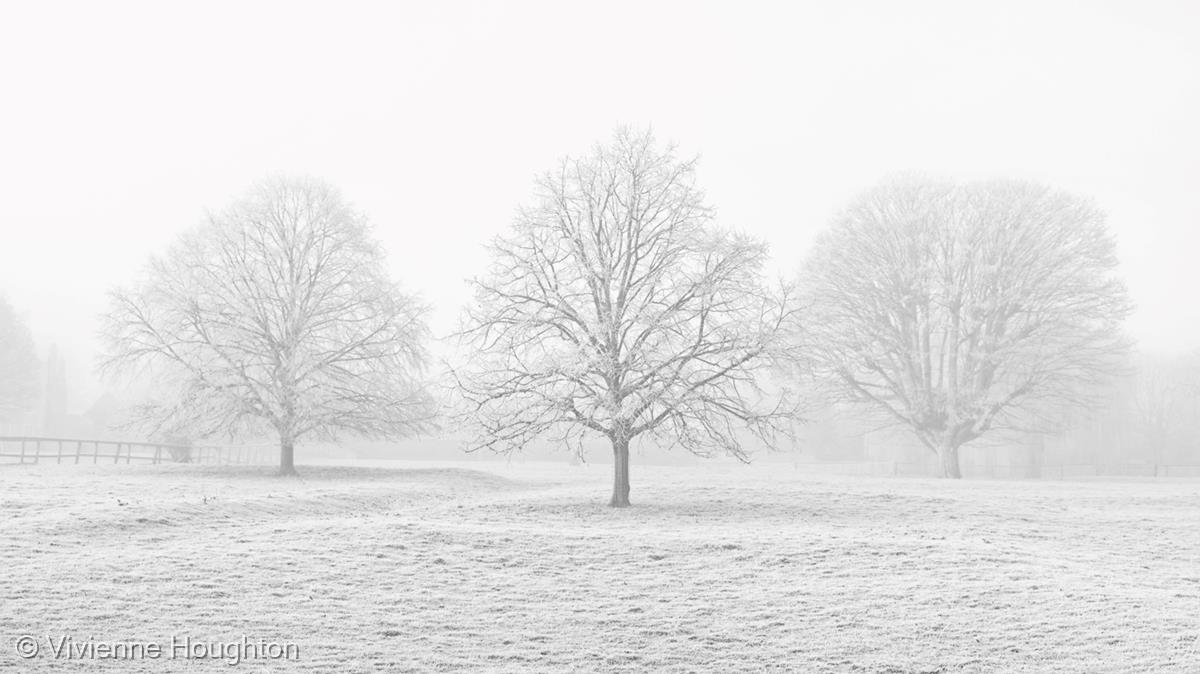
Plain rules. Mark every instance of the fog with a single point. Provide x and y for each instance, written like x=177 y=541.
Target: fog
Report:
x=123 y=123
x=838 y=336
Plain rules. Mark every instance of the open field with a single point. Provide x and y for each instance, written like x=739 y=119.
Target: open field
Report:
x=496 y=567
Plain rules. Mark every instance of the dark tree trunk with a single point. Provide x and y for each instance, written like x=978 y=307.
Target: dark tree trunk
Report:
x=287 y=465
x=949 y=455
x=620 y=495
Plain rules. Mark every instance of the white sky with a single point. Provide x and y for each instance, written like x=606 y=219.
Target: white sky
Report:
x=121 y=123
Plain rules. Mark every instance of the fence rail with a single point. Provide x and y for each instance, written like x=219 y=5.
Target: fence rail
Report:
x=18 y=449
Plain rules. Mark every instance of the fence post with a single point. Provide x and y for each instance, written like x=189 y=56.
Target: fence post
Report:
x=157 y=453
x=96 y=451
x=22 y=450
x=117 y=454
x=78 y=450
x=37 y=450
x=59 y=451
x=129 y=454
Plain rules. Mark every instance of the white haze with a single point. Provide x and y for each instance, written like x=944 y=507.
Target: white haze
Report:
x=120 y=124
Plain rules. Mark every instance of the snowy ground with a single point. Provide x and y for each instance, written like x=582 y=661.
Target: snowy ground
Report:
x=442 y=567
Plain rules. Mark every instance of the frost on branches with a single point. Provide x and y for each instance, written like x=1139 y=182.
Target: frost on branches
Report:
x=276 y=315
x=615 y=308
x=959 y=309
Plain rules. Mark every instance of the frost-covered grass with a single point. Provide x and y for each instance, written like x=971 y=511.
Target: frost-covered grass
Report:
x=422 y=567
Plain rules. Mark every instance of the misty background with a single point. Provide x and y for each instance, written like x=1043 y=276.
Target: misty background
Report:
x=123 y=123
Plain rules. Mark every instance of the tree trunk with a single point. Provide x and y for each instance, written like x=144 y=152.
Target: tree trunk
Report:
x=620 y=495
x=949 y=456
x=1037 y=450
x=287 y=453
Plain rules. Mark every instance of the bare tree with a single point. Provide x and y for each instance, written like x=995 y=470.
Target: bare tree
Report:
x=276 y=315
x=1164 y=399
x=19 y=366
x=616 y=309
x=959 y=309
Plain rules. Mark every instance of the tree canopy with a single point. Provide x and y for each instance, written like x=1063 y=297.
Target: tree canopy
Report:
x=616 y=308
x=957 y=309
x=19 y=366
x=278 y=315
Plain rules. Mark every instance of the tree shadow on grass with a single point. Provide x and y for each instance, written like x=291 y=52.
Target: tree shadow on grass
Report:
x=695 y=509
x=333 y=474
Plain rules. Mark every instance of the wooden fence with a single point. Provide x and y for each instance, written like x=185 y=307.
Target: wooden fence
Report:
x=16 y=449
